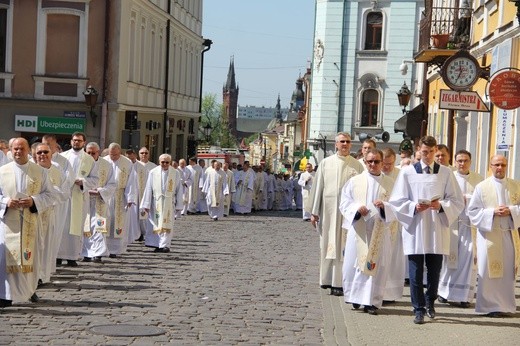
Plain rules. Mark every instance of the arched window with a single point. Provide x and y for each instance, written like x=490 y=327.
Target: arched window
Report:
x=369 y=107
x=374 y=31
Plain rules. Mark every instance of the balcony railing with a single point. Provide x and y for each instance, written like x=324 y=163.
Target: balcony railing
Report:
x=445 y=27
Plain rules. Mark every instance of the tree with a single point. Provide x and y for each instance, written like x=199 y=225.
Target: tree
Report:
x=212 y=114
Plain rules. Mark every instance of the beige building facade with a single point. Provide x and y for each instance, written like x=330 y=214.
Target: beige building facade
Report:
x=144 y=59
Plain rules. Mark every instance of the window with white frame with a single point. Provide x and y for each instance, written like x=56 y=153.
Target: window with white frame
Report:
x=374 y=31
x=369 y=107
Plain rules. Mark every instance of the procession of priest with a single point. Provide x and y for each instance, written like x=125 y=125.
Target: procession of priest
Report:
x=444 y=230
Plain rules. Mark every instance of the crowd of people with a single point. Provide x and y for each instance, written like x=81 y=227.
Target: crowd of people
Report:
x=427 y=223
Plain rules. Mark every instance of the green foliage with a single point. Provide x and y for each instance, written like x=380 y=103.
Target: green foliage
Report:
x=212 y=113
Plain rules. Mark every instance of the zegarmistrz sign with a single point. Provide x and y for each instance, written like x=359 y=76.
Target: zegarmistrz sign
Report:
x=33 y=123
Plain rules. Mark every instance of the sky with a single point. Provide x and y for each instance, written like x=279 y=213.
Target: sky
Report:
x=271 y=42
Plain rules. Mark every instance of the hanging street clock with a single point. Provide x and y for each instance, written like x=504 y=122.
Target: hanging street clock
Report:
x=460 y=71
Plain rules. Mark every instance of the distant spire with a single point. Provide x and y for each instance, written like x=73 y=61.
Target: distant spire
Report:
x=231 y=83
x=278 y=109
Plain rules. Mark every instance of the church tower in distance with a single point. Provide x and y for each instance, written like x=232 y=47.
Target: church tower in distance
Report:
x=230 y=99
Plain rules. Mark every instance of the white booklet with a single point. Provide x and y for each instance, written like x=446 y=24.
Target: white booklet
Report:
x=430 y=200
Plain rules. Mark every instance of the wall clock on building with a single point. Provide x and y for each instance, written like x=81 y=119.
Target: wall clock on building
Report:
x=460 y=71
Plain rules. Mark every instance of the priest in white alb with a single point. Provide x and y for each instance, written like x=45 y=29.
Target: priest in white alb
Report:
x=305 y=181
x=216 y=189
x=332 y=174
x=494 y=209
x=162 y=199
x=243 y=198
x=25 y=191
x=230 y=181
x=368 y=248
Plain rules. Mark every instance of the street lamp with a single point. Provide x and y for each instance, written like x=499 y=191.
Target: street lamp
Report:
x=207 y=131
x=91 y=95
x=404 y=95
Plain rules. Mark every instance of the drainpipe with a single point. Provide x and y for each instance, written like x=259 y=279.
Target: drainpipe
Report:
x=207 y=46
x=166 y=147
x=104 y=101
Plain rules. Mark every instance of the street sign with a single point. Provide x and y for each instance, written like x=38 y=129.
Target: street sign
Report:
x=462 y=100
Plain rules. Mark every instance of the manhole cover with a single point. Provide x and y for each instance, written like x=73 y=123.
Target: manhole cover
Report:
x=127 y=330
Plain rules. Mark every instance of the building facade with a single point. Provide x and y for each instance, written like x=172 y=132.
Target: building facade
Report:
x=142 y=58
x=358 y=50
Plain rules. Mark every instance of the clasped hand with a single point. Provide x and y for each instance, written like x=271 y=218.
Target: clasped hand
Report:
x=20 y=203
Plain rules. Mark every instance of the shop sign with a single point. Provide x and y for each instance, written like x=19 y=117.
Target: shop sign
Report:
x=504 y=129
x=33 y=123
x=462 y=100
x=504 y=89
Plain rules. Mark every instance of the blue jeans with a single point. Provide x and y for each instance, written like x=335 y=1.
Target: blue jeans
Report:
x=420 y=300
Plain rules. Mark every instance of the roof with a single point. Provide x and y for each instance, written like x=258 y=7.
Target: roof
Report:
x=252 y=125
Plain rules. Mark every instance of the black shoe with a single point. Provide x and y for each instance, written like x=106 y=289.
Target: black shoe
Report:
x=336 y=291
x=141 y=238
x=87 y=259
x=442 y=300
x=34 y=298
x=407 y=282
x=97 y=259
x=464 y=305
x=4 y=303
x=494 y=314
x=388 y=302
x=112 y=255
x=58 y=262
x=165 y=249
x=40 y=282
x=419 y=317
x=355 y=306
x=430 y=312
x=371 y=310
x=325 y=287
x=72 y=263
x=215 y=219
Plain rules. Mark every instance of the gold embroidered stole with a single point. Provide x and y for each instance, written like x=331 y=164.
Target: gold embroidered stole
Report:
x=101 y=206
x=54 y=175
x=216 y=188
x=244 y=187
x=141 y=179
x=124 y=168
x=368 y=254
x=164 y=213
x=494 y=238
x=78 y=196
x=21 y=245
x=195 y=186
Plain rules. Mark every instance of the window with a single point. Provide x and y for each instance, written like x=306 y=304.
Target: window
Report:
x=369 y=107
x=374 y=31
x=3 y=38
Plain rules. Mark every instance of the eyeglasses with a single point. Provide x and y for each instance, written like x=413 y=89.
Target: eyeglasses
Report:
x=498 y=165
x=348 y=141
x=375 y=162
x=165 y=162
x=143 y=153
x=41 y=152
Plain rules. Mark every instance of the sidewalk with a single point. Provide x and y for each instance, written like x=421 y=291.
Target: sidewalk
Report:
x=394 y=325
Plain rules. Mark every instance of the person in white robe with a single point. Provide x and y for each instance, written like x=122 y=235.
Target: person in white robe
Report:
x=162 y=197
x=25 y=192
x=134 y=227
x=397 y=263
x=258 y=188
x=368 y=247
x=265 y=189
x=305 y=181
x=270 y=188
x=230 y=181
x=458 y=279
x=186 y=182
x=426 y=200
x=125 y=196
x=144 y=156
x=194 y=188
x=297 y=191
x=97 y=221
x=62 y=206
x=202 y=207
x=85 y=177
x=216 y=189
x=494 y=209
x=243 y=198
x=367 y=144
x=332 y=174
x=47 y=218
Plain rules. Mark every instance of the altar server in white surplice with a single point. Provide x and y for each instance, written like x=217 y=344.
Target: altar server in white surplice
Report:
x=368 y=248
x=459 y=271
x=495 y=210
x=332 y=174
x=216 y=189
x=98 y=217
x=230 y=181
x=25 y=191
x=47 y=218
x=85 y=178
x=427 y=200
x=162 y=199
x=144 y=156
x=243 y=199
x=305 y=181
x=125 y=196
x=397 y=263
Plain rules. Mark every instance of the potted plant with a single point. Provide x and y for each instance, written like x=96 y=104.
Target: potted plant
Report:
x=440 y=36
